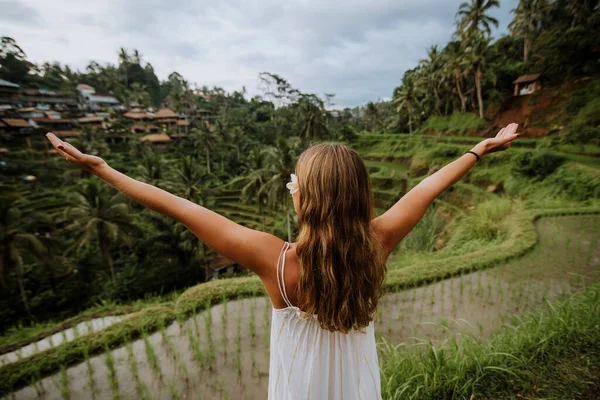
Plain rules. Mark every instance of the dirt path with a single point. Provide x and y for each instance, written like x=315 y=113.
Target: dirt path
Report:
x=224 y=354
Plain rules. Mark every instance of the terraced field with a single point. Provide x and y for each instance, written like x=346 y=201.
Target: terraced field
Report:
x=224 y=353
x=213 y=341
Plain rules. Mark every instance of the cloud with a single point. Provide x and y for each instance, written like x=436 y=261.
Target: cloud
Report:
x=18 y=13
x=354 y=48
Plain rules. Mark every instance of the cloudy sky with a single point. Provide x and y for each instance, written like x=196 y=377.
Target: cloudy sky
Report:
x=358 y=50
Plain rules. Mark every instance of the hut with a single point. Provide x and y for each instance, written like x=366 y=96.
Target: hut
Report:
x=137 y=115
x=160 y=140
x=166 y=117
x=93 y=121
x=183 y=125
x=527 y=84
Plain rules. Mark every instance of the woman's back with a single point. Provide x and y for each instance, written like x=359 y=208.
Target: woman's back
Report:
x=309 y=362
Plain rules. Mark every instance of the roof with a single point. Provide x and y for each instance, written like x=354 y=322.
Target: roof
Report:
x=165 y=113
x=178 y=135
x=527 y=78
x=52 y=120
x=220 y=262
x=137 y=115
x=8 y=84
x=152 y=127
x=83 y=86
x=3 y=150
x=16 y=123
x=66 y=134
x=138 y=128
x=183 y=122
x=90 y=119
x=156 y=138
x=103 y=98
x=28 y=109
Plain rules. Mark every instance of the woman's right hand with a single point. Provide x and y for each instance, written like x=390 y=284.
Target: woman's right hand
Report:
x=71 y=154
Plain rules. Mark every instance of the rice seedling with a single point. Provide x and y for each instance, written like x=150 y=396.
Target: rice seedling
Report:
x=175 y=354
x=151 y=356
x=196 y=349
x=252 y=323
x=266 y=323
x=210 y=346
x=65 y=391
x=173 y=391
x=112 y=374
x=141 y=388
x=238 y=342
x=224 y=323
x=90 y=372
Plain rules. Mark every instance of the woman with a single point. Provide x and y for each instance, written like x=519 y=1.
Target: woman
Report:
x=322 y=337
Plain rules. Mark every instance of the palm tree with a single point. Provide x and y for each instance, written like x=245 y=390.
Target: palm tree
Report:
x=124 y=63
x=281 y=161
x=581 y=10
x=99 y=216
x=406 y=98
x=432 y=73
x=371 y=117
x=17 y=240
x=207 y=138
x=254 y=181
x=473 y=14
x=527 y=21
x=139 y=94
x=151 y=169
x=454 y=56
x=311 y=116
x=476 y=59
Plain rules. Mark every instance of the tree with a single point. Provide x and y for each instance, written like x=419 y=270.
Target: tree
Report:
x=310 y=114
x=581 y=10
x=432 y=74
x=371 y=117
x=207 y=138
x=406 y=98
x=99 y=216
x=527 y=21
x=14 y=66
x=476 y=60
x=281 y=162
x=472 y=17
x=16 y=241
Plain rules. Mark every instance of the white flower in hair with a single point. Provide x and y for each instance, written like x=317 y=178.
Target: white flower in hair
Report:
x=293 y=185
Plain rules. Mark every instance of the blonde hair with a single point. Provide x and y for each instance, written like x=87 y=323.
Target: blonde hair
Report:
x=341 y=262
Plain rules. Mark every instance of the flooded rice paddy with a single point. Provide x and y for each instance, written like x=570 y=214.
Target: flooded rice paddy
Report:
x=223 y=354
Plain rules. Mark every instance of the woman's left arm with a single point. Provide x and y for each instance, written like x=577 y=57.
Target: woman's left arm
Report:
x=253 y=249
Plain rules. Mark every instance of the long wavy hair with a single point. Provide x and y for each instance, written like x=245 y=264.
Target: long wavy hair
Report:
x=341 y=260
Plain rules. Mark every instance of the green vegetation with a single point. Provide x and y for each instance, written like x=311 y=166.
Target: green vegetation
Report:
x=73 y=249
x=552 y=353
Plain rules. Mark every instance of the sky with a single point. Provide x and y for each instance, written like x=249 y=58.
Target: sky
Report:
x=358 y=50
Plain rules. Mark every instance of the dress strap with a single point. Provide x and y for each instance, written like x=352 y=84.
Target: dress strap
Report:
x=281 y=282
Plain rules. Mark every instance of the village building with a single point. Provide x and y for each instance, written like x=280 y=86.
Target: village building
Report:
x=17 y=126
x=138 y=115
x=9 y=92
x=91 y=100
x=183 y=126
x=159 y=140
x=167 y=118
x=94 y=121
x=222 y=266
x=527 y=84
x=46 y=100
x=52 y=124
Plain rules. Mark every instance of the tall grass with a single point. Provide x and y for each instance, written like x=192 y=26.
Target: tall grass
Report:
x=554 y=353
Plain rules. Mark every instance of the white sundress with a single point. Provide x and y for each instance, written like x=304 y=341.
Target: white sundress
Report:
x=309 y=362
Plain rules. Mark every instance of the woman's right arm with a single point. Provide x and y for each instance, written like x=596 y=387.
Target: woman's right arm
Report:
x=392 y=226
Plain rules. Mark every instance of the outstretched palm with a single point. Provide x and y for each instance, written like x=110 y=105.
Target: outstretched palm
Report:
x=74 y=156
x=502 y=139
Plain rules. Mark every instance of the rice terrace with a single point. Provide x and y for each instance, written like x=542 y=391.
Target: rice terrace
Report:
x=495 y=293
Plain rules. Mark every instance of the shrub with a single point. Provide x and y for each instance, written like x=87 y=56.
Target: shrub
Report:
x=536 y=165
x=457 y=123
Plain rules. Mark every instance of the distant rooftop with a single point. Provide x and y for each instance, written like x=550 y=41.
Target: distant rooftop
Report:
x=527 y=78
x=8 y=84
